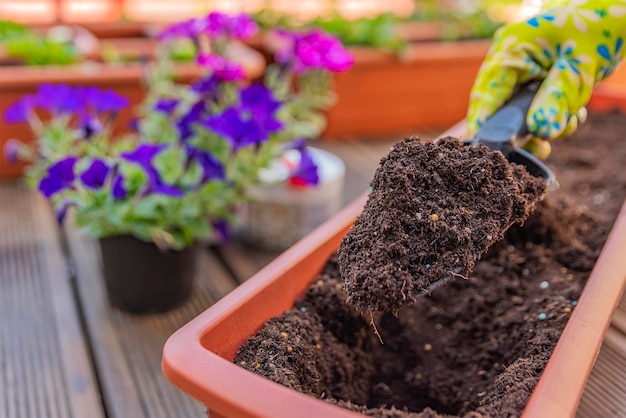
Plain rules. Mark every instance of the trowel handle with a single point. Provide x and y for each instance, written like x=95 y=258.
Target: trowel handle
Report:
x=509 y=122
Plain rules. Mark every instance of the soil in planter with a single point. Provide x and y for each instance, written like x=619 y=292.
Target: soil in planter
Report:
x=475 y=347
x=432 y=211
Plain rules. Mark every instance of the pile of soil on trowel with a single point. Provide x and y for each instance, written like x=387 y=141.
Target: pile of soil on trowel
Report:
x=433 y=210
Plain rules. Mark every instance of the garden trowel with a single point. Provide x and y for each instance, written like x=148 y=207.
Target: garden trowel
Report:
x=508 y=126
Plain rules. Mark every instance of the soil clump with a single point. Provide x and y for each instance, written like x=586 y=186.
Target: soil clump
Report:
x=432 y=211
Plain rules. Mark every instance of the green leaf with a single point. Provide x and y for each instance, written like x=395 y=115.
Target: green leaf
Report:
x=192 y=175
x=216 y=145
x=170 y=164
x=10 y=29
x=379 y=31
x=135 y=178
x=36 y=50
x=148 y=207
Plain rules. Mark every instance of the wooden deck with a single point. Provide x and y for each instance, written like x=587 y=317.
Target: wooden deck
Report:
x=65 y=353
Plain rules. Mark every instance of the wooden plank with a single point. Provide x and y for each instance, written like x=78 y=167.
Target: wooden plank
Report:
x=222 y=284
x=605 y=393
x=118 y=388
x=359 y=158
x=128 y=347
x=45 y=365
x=619 y=318
x=243 y=260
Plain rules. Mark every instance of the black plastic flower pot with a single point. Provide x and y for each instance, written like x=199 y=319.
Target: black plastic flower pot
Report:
x=141 y=278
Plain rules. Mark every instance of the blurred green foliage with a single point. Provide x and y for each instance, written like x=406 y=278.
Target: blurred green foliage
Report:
x=23 y=44
x=458 y=20
x=379 y=31
x=10 y=29
x=469 y=19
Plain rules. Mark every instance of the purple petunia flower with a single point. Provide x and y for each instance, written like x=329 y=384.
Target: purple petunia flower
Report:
x=59 y=98
x=299 y=144
x=212 y=168
x=216 y=24
x=188 y=29
x=102 y=101
x=89 y=103
x=166 y=189
x=306 y=173
x=252 y=121
x=221 y=67
x=133 y=124
x=185 y=124
x=260 y=101
x=206 y=86
x=11 y=150
x=143 y=156
x=240 y=26
x=237 y=127
x=313 y=50
x=222 y=230
x=166 y=105
x=88 y=125
x=61 y=211
x=60 y=176
x=20 y=110
x=95 y=176
x=108 y=101
x=118 y=191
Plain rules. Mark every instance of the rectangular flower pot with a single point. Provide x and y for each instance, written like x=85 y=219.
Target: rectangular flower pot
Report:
x=427 y=88
x=198 y=357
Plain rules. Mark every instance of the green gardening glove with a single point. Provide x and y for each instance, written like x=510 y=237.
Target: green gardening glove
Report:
x=571 y=46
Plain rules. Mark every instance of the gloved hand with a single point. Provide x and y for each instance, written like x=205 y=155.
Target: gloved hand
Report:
x=571 y=45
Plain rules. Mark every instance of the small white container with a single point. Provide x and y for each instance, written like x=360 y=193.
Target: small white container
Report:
x=279 y=213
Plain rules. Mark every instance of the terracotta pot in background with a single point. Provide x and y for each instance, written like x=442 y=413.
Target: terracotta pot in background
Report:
x=420 y=31
x=104 y=30
x=198 y=358
x=609 y=95
x=618 y=78
x=428 y=88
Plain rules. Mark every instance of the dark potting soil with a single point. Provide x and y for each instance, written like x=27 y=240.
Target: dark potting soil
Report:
x=432 y=211
x=475 y=347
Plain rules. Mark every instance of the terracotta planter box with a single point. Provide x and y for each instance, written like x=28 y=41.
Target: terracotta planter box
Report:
x=421 y=31
x=383 y=95
x=618 y=78
x=198 y=358
x=109 y=30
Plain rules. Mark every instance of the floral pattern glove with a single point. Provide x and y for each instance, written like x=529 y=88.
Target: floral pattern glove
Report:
x=571 y=46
